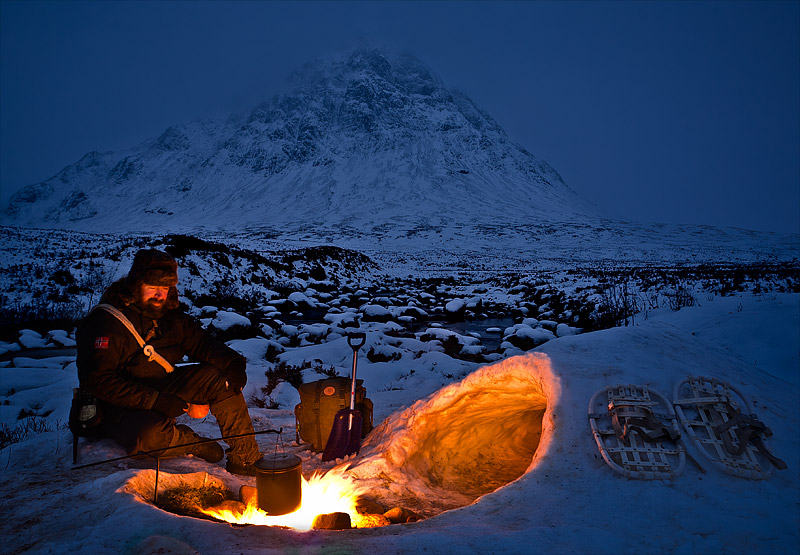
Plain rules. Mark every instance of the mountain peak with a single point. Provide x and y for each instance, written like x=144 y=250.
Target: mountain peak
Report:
x=365 y=138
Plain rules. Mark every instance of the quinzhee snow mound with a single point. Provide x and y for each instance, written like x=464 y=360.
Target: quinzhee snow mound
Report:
x=465 y=440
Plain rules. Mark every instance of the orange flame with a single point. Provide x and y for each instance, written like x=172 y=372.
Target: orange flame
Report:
x=323 y=493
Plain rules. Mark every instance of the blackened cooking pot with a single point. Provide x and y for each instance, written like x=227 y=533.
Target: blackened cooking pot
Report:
x=279 y=483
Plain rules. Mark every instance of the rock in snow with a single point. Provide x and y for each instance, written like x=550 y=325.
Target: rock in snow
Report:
x=31 y=339
x=225 y=319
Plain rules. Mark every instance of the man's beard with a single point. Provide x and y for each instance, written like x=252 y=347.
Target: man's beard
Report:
x=152 y=310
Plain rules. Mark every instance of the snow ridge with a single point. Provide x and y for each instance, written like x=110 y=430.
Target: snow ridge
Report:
x=367 y=138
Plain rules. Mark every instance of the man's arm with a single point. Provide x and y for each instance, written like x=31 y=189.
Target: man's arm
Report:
x=202 y=346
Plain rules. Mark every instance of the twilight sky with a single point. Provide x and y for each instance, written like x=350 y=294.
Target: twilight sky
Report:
x=679 y=112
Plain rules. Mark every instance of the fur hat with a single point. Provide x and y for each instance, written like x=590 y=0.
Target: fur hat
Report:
x=153 y=267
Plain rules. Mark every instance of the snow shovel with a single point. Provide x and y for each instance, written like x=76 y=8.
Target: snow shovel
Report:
x=345 y=436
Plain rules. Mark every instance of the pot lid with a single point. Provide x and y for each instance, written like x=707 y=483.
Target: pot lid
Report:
x=278 y=461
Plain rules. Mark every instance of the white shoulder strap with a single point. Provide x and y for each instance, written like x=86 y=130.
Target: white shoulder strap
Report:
x=148 y=350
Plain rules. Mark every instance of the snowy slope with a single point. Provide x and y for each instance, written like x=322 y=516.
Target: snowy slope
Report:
x=371 y=151
x=567 y=501
x=365 y=139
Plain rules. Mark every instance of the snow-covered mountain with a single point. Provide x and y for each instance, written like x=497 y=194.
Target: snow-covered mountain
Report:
x=367 y=140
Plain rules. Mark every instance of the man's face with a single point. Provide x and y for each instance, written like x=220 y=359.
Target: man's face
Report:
x=153 y=296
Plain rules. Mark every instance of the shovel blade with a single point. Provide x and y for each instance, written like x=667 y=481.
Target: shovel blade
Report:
x=345 y=436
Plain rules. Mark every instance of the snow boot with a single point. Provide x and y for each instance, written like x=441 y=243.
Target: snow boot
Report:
x=209 y=450
x=234 y=420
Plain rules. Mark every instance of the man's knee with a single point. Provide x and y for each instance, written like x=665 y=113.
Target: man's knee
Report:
x=205 y=384
x=156 y=435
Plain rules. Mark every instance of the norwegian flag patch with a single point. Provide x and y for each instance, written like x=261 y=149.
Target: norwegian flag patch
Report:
x=101 y=343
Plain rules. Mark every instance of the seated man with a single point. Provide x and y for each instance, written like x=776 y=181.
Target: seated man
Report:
x=140 y=396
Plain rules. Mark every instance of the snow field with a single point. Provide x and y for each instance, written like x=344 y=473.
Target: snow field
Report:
x=566 y=499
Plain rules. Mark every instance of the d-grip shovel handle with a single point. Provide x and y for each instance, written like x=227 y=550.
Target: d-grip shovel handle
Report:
x=356 y=340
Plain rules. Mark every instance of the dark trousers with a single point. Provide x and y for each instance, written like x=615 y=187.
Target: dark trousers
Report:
x=148 y=430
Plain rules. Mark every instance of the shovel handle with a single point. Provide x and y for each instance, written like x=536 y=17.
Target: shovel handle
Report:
x=356 y=340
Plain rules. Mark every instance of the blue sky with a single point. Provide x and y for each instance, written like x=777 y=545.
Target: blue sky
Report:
x=679 y=112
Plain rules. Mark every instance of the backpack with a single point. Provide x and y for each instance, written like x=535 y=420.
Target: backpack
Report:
x=85 y=417
x=319 y=403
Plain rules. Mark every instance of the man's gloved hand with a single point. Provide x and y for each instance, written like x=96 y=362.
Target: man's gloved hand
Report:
x=236 y=374
x=170 y=405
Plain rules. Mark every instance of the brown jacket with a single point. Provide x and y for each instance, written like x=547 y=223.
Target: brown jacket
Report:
x=111 y=364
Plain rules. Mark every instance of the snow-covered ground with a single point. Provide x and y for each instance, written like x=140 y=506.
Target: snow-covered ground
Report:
x=567 y=500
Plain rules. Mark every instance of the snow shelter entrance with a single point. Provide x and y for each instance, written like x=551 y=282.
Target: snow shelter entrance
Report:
x=467 y=439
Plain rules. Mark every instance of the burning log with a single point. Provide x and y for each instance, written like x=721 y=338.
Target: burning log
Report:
x=401 y=515
x=372 y=521
x=366 y=506
x=331 y=521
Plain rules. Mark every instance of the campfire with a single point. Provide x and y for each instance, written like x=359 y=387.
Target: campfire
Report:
x=321 y=494
x=464 y=441
x=332 y=500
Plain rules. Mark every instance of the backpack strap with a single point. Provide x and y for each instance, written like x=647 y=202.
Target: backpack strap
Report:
x=148 y=350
